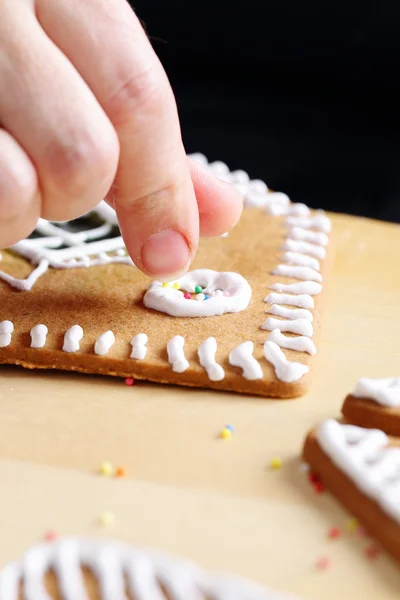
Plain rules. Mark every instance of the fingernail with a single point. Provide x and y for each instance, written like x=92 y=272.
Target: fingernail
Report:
x=166 y=254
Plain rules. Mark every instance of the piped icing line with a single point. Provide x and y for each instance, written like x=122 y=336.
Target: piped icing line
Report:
x=138 y=343
x=104 y=343
x=302 y=247
x=305 y=235
x=6 y=331
x=296 y=272
x=176 y=355
x=318 y=222
x=364 y=456
x=290 y=313
x=300 y=300
x=285 y=370
x=25 y=285
x=120 y=570
x=384 y=391
x=299 y=326
x=72 y=338
x=302 y=260
x=298 y=343
x=172 y=301
x=242 y=356
x=38 y=336
x=312 y=288
x=207 y=351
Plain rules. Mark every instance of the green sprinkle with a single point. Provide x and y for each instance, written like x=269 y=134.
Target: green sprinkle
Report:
x=198 y=289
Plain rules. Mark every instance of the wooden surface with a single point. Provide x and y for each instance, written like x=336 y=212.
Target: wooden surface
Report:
x=187 y=492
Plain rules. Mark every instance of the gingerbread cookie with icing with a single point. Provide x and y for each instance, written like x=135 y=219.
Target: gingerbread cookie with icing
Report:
x=375 y=403
x=245 y=318
x=361 y=467
x=73 y=568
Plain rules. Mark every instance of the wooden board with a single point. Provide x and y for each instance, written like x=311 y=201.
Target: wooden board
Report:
x=187 y=492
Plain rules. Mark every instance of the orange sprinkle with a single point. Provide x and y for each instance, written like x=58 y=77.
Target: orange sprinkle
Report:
x=120 y=472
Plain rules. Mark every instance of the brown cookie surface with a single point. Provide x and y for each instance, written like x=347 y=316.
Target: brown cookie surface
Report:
x=368 y=413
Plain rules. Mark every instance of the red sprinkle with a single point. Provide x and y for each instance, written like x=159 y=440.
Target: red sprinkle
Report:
x=372 y=552
x=313 y=477
x=187 y=296
x=319 y=487
x=323 y=563
x=129 y=381
x=334 y=533
x=50 y=536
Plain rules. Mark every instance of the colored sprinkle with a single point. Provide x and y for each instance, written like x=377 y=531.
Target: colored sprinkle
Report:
x=372 y=552
x=276 y=463
x=362 y=532
x=352 y=525
x=206 y=296
x=120 y=472
x=176 y=285
x=200 y=297
x=230 y=427
x=226 y=434
x=129 y=381
x=106 y=469
x=226 y=293
x=334 y=533
x=319 y=487
x=187 y=296
x=313 y=477
x=198 y=289
x=107 y=518
x=165 y=284
x=219 y=293
x=50 y=536
x=323 y=563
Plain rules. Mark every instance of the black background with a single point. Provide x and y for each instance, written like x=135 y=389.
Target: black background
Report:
x=304 y=95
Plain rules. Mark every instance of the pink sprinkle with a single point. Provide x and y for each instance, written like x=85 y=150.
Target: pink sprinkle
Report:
x=129 y=381
x=372 y=552
x=226 y=293
x=187 y=296
x=334 y=533
x=323 y=563
x=50 y=536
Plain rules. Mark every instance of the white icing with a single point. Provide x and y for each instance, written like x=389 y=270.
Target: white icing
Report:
x=38 y=336
x=116 y=565
x=304 y=248
x=297 y=272
x=298 y=208
x=176 y=355
x=301 y=300
x=295 y=258
x=285 y=370
x=199 y=157
x=171 y=301
x=363 y=455
x=25 y=285
x=104 y=343
x=305 y=235
x=207 y=351
x=242 y=356
x=300 y=326
x=6 y=331
x=290 y=313
x=72 y=338
x=305 y=287
x=385 y=391
x=319 y=222
x=138 y=343
x=299 y=343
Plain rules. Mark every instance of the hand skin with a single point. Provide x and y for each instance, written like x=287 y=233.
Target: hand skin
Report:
x=87 y=112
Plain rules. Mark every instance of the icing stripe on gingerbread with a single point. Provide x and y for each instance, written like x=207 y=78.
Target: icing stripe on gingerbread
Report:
x=304 y=287
x=296 y=272
x=302 y=260
x=176 y=355
x=285 y=370
x=38 y=336
x=305 y=235
x=104 y=343
x=242 y=356
x=302 y=247
x=299 y=326
x=6 y=331
x=318 y=222
x=290 y=313
x=300 y=343
x=207 y=351
x=300 y=300
x=138 y=343
x=72 y=338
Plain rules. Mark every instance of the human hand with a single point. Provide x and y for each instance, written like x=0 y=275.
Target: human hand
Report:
x=86 y=111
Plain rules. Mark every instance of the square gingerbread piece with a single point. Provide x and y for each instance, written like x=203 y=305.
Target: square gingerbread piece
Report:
x=246 y=317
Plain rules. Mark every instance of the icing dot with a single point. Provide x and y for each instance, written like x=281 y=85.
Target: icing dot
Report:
x=187 y=296
x=200 y=297
x=106 y=469
x=120 y=252
x=129 y=381
x=226 y=293
x=198 y=289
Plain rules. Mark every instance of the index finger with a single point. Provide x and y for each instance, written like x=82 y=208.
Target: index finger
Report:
x=153 y=192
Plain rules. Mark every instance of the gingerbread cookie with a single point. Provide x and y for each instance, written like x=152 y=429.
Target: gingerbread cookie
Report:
x=246 y=318
x=361 y=467
x=375 y=403
x=73 y=568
